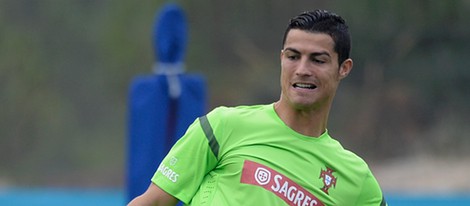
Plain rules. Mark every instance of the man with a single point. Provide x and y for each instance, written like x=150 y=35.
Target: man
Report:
x=276 y=154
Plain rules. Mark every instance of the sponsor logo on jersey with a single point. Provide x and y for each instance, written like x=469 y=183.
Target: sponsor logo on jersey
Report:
x=328 y=179
x=292 y=193
x=173 y=161
x=262 y=176
x=168 y=172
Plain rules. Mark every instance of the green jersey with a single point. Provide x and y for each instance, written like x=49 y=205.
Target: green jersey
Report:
x=247 y=156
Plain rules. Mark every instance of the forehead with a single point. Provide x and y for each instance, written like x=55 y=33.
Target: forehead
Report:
x=309 y=42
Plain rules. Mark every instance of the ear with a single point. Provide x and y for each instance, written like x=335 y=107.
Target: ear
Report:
x=345 y=68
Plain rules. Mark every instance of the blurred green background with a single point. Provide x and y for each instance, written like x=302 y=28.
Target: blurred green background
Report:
x=66 y=65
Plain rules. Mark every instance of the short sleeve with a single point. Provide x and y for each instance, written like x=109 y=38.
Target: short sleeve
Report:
x=189 y=160
x=371 y=194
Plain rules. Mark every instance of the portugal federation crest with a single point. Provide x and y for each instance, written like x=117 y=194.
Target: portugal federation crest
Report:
x=328 y=179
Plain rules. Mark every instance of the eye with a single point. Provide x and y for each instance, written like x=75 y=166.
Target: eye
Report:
x=318 y=61
x=291 y=55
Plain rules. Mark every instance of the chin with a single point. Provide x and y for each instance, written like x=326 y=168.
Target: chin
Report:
x=303 y=105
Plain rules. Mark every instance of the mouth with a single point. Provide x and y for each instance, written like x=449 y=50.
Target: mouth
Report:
x=304 y=86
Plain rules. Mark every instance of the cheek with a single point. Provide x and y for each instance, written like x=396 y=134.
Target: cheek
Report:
x=283 y=71
x=333 y=82
x=284 y=78
x=330 y=80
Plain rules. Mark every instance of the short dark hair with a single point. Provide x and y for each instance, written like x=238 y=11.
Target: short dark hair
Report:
x=323 y=21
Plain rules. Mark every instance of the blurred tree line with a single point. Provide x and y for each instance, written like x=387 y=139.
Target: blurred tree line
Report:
x=65 y=68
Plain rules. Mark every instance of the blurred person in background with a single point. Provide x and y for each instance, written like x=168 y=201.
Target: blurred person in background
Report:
x=279 y=153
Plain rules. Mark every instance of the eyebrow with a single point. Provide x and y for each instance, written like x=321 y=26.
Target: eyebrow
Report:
x=311 y=54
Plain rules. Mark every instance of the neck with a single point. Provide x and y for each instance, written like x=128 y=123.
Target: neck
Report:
x=309 y=122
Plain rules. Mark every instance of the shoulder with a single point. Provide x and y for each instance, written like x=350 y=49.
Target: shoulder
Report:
x=236 y=121
x=354 y=165
x=358 y=171
x=352 y=157
x=347 y=158
x=238 y=113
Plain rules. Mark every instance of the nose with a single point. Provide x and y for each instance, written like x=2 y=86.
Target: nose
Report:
x=304 y=68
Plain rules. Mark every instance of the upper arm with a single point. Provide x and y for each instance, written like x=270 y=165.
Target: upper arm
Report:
x=183 y=169
x=154 y=196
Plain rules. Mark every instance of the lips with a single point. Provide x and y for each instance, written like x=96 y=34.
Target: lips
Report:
x=304 y=85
